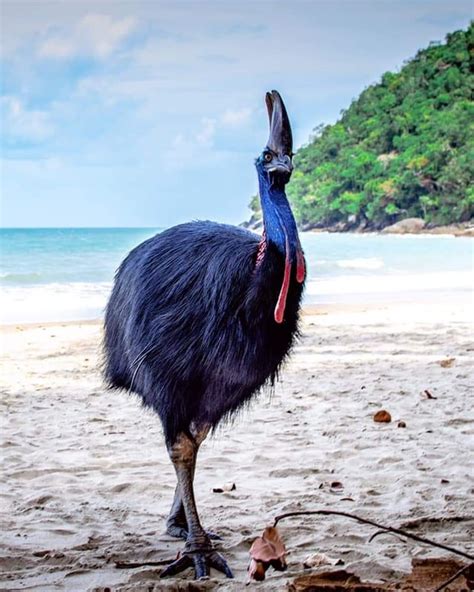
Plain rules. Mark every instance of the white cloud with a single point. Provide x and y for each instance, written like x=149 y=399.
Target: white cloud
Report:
x=236 y=118
x=197 y=147
x=98 y=35
x=189 y=145
x=205 y=136
x=24 y=124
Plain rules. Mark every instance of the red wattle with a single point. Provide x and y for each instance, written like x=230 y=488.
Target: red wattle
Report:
x=300 y=267
x=281 y=304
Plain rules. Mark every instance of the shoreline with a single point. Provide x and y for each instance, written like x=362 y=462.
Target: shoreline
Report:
x=439 y=231
x=468 y=233
x=436 y=231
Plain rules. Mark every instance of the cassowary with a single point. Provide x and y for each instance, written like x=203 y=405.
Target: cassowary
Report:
x=201 y=316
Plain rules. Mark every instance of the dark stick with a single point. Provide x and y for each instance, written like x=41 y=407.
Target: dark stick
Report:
x=379 y=532
x=462 y=571
x=407 y=535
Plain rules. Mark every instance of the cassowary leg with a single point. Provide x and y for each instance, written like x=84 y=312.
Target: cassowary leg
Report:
x=198 y=551
x=176 y=525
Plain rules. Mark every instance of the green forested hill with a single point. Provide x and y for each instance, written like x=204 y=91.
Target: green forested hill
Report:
x=404 y=148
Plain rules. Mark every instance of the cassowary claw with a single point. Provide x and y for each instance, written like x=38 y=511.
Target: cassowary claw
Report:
x=202 y=562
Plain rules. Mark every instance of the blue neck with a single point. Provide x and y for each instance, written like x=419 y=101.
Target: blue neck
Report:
x=278 y=219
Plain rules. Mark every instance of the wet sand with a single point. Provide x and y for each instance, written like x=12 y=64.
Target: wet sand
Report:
x=87 y=480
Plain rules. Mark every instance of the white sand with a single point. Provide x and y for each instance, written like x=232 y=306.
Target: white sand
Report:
x=87 y=478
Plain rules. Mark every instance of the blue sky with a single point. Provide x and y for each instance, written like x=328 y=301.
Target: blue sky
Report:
x=151 y=113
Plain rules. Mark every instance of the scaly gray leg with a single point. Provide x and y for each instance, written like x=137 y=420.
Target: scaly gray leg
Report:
x=198 y=551
x=176 y=525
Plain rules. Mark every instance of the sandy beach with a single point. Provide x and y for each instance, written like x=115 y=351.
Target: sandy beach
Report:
x=87 y=480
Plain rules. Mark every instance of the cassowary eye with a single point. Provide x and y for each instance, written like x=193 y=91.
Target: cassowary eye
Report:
x=268 y=156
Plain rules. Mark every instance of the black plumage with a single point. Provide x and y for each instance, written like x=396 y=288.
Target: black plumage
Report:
x=192 y=325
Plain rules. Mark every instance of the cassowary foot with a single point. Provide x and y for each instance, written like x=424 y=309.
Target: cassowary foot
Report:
x=201 y=559
x=178 y=530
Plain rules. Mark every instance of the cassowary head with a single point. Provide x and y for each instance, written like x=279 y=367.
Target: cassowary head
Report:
x=276 y=158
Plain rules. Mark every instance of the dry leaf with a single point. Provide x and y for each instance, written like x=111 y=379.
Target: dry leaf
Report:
x=401 y=424
x=382 y=416
x=267 y=550
x=428 y=395
x=447 y=363
x=257 y=570
x=225 y=488
x=336 y=487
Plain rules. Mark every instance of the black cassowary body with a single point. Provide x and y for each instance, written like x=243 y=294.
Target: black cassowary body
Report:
x=201 y=316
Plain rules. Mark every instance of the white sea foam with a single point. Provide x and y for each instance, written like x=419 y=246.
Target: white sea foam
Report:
x=81 y=301
x=53 y=302
x=345 y=285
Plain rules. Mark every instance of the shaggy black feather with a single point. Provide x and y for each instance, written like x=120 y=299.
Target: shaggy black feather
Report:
x=190 y=323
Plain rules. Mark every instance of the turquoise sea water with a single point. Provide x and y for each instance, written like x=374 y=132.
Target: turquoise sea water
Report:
x=66 y=273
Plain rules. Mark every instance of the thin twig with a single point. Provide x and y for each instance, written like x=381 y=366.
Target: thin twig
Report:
x=407 y=535
x=459 y=573
x=379 y=532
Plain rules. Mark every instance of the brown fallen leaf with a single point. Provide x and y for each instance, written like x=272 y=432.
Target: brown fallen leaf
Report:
x=336 y=487
x=257 y=570
x=382 y=416
x=225 y=488
x=428 y=395
x=272 y=536
x=267 y=550
x=401 y=424
x=447 y=363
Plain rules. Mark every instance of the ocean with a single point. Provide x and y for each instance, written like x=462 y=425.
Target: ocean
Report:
x=60 y=274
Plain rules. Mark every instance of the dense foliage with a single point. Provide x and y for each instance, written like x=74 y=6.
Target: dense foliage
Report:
x=404 y=148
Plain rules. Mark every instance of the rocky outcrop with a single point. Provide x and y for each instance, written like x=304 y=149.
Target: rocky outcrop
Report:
x=466 y=229
x=407 y=226
x=417 y=226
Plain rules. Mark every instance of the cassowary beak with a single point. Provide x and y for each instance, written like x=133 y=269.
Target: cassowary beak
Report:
x=280 y=140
